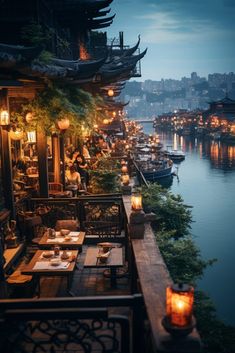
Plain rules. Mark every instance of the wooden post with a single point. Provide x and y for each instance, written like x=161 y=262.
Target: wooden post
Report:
x=7 y=179
x=62 y=159
x=56 y=158
x=42 y=163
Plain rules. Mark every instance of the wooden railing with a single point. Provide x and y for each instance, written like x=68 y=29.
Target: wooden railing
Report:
x=82 y=324
x=149 y=278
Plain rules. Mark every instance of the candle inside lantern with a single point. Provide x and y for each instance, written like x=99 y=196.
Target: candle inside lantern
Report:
x=4 y=118
x=136 y=202
x=179 y=304
x=125 y=179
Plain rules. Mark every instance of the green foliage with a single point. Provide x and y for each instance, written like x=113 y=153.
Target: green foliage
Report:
x=39 y=35
x=54 y=103
x=216 y=336
x=170 y=210
x=185 y=264
x=45 y=57
x=104 y=181
x=182 y=257
x=35 y=34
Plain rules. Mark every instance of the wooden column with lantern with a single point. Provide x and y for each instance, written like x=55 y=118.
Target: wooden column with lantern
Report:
x=7 y=179
x=63 y=125
x=62 y=159
x=56 y=157
x=42 y=163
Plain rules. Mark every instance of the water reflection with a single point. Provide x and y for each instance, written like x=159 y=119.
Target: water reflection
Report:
x=206 y=181
x=221 y=155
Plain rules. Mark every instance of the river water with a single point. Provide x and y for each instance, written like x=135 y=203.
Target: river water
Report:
x=206 y=181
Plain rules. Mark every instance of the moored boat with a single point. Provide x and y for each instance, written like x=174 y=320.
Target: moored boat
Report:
x=176 y=155
x=156 y=170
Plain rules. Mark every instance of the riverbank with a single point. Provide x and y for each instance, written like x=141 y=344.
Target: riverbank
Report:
x=206 y=181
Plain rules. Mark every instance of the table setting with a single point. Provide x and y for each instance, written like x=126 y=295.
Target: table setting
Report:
x=49 y=260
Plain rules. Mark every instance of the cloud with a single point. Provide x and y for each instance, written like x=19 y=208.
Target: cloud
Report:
x=179 y=20
x=215 y=11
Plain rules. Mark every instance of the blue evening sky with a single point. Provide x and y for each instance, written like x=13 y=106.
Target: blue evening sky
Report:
x=182 y=36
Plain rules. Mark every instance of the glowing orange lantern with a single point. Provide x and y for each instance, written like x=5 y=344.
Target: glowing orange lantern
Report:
x=179 y=305
x=106 y=121
x=110 y=92
x=4 y=118
x=125 y=179
x=136 y=202
x=16 y=134
x=63 y=124
x=124 y=169
x=29 y=117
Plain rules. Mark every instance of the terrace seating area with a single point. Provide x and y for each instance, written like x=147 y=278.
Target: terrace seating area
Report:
x=137 y=293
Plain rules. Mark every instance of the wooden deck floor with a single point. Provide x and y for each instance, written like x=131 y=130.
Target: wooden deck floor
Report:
x=86 y=282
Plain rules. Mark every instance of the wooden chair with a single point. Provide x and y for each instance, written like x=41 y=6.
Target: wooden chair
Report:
x=57 y=190
x=71 y=224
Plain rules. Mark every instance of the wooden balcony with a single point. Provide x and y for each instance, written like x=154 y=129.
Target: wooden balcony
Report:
x=126 y=318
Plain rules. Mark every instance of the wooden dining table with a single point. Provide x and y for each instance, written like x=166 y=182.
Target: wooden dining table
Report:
x=113 y=262
x=43 y=266
x=75 y=242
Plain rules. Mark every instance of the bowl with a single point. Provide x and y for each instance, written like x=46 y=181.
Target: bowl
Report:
x=64 y=232
x=103 y=257
x=64 y=255
x=106 y=246
x=55 y=262
x=47 y=254
x=106 y=249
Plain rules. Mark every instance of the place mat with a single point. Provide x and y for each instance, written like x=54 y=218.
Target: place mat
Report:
x=74 y=234
x=74 y=239
x=46 y=265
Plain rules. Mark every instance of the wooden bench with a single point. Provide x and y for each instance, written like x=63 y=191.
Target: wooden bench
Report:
x=20 y=285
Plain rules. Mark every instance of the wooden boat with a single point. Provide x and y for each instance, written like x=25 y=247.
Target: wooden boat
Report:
x=176 y=155
x=156 y=170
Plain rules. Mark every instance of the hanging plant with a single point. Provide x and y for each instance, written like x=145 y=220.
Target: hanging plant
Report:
x=57 y=103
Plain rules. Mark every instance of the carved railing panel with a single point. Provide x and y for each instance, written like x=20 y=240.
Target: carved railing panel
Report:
x=102 y=217
x=105 y=324
x=51 y=210
x=96 y=215
x=71 y=335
